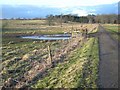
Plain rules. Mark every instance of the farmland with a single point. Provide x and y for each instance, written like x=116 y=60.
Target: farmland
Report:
x=59 y=44
x=25 y=62
x=114 y=30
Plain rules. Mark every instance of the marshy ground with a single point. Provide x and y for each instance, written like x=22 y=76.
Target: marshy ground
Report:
x=76 y=62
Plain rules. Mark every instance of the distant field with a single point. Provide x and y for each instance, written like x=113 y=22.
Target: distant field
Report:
x=114 y=29
x=25 y=61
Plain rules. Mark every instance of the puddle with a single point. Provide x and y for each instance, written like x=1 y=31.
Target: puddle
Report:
x=49 y=37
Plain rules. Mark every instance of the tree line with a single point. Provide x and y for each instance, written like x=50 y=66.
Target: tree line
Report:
x=109 y=18
x=52 y=19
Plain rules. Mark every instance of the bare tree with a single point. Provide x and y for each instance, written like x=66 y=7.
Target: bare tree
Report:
x=61 y=20
x=50 y=19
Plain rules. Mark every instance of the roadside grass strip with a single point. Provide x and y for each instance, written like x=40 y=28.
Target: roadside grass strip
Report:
x=79 y=70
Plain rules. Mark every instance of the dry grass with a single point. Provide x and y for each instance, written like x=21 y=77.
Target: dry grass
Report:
x=34 y=53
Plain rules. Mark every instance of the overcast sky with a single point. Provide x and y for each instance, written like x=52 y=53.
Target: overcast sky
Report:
x=58 y=3
x=46 y=7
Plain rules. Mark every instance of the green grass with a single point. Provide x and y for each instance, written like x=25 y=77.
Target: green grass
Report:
x=66 y=74
x=18 y=49
x=114 y=30
x=70 y=73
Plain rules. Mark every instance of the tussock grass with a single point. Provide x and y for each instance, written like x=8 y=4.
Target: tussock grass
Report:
x=80 y=69
x=66 y=74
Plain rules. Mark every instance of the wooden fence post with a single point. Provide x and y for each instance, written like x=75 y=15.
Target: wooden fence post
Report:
x=50 y=55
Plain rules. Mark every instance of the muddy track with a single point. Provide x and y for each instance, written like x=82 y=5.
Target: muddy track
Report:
x=108 y=65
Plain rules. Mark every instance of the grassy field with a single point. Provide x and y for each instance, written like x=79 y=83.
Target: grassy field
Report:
x=79 y=70
x=24 y=61
x=114 y=29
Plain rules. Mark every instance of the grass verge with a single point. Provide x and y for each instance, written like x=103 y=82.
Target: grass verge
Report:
x=79 y=70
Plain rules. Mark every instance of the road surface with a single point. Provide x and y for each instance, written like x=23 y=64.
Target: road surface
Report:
x=108 y=66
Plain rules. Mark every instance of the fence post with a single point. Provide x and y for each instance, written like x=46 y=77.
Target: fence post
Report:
x=50 y=55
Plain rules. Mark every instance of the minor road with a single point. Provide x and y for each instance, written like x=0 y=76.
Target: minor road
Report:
x=108 y=66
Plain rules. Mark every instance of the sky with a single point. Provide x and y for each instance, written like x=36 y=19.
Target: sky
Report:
x=41 y=8
x=57 y=3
